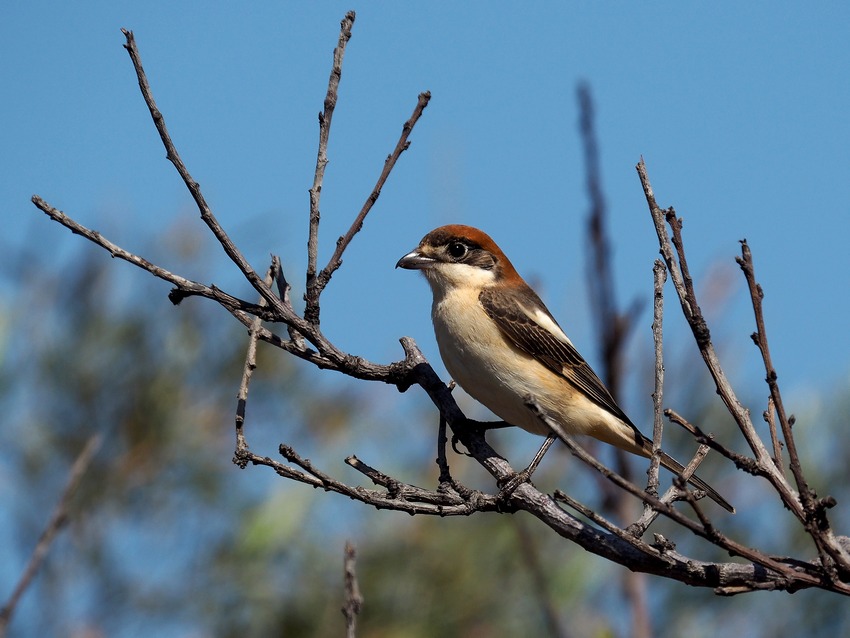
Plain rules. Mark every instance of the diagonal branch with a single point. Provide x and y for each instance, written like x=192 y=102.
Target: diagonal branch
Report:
x=702 y=528
x=58 y=519
x=194 y=188
x=684 y=288
x=810 y=511
x=342 y=243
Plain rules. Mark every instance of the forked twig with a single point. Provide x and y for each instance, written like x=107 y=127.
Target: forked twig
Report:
x=809 y=510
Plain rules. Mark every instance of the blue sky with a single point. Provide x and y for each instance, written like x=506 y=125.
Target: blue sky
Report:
x=740 y=110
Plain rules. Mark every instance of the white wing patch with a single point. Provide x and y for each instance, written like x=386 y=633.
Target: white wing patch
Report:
x=545 y=321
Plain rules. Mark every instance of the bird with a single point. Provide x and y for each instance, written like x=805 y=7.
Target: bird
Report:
x=501 y=344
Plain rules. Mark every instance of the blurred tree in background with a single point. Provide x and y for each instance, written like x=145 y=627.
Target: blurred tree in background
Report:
x=167 y=536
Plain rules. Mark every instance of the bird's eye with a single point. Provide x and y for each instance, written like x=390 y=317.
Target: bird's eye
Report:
x=457 y=250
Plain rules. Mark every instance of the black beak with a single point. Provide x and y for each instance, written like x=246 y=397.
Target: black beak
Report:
x=415 y=260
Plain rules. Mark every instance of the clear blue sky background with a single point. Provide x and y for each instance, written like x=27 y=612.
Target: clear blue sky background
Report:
x=740 y=110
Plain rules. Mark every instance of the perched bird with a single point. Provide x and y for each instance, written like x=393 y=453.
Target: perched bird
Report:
x=501 y=344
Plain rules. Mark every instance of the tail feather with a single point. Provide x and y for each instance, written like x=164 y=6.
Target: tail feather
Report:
x=631 y=440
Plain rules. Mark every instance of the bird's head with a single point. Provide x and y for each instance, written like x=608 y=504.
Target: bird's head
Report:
x=458 y=256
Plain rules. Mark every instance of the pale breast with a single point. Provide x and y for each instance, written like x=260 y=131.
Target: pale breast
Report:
x=489 y=368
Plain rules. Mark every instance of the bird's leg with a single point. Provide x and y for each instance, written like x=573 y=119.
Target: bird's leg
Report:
x=521 y=477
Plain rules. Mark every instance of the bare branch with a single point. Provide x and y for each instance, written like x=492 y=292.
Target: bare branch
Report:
x=674 y=493
x=186 y=286
x=58 y=520
x=353 y=599
x=342 y=243
x=816 y=521
x=659 y=273
x=770 y=419
x=805 y=506
x=194 y=188
x=325 y=117
x=687 y=297
x=742 y=462
x=248 y=370
x=745 y=261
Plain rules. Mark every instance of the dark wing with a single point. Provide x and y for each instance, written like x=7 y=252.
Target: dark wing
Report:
x=535 y=340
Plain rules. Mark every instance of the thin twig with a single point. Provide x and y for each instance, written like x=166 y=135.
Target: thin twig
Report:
x=342 y=243
x=58 y=520
x=659 y=276
x=770 y=419
x=742 y=462
x=687 y=298
x=194 y=188
x=353 y=599
x=745 y=261
x=187 y=286
x=816 y=520
x=311 y=312
x=248 y=371
x=674 y=493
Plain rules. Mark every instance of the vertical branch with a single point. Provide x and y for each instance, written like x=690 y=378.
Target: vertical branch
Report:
x=247 y=372
x=613 y=327
x=311 y=312
x=770 y=419
x=659 y=278
x=353 y=599
x=745 y=261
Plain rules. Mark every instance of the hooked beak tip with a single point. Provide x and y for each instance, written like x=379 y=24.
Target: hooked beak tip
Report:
x=414 y=260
